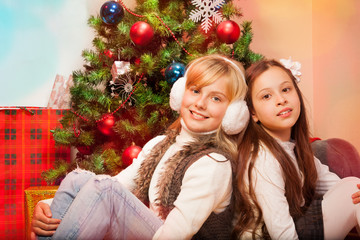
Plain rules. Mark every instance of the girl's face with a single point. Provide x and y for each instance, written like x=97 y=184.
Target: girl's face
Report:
x=203 y=109
x=276 y=103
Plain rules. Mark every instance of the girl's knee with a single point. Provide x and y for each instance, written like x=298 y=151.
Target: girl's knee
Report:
x=349 y=183
x=77 y=178
x=345 y=186
x=79 y=171
x=351 y=179
x=104 y=182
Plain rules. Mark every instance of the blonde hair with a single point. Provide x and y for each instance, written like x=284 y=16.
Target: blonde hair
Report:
x=204 y=71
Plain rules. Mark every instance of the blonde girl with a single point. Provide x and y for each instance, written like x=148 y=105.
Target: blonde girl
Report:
x=185 y=176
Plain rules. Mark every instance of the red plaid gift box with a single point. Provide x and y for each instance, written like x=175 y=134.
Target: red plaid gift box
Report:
x=27 y=148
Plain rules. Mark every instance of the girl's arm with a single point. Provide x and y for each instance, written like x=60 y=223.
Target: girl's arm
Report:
x=206 y=188
x=128 y=175
x=269 y=188
x=326 y=179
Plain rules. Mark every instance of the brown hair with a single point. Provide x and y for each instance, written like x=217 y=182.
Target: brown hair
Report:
x=204 y=71
x=255 y=136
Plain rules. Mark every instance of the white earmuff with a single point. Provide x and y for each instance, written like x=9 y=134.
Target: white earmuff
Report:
x=177 y=94
x=236 y=117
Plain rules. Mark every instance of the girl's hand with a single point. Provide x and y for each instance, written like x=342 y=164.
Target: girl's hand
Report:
x=42 y=223
x=356 y=196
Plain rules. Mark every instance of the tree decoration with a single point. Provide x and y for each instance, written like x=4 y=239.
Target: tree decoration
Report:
x=174 y=71
x=118 y=68
x=84 y=150
x=107 y=57
x=135 y=61
x=207 y=9
x=129 y=154
x=141 y=33
x=123 y=87
x=111 y=12
x=109 y=53
x=228 y=31
x=105 y=126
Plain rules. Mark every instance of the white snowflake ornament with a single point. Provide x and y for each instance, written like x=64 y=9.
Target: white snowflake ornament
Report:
x=206 y=10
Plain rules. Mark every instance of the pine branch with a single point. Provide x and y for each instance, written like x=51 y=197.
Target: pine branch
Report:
x=229 y=10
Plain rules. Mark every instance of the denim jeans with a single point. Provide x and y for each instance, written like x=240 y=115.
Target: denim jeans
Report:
x=98 y=207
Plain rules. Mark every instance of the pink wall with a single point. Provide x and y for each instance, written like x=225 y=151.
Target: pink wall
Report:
x=324 y=36
x=336 y=51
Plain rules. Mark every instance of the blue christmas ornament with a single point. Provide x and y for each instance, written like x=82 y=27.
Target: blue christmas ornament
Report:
x=111 y=12
x=174 y=71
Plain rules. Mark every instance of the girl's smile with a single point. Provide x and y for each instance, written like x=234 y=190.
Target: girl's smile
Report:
x=285 y=112
x=197 y=116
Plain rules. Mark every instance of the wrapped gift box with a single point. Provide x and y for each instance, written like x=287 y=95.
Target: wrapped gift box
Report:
x=27 y=148
x=60 y=94
x=32 y=196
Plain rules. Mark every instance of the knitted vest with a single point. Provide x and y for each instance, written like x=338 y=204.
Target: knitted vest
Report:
x=217 y=226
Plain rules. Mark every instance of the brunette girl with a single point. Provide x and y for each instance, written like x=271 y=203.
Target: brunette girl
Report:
x=284 y=191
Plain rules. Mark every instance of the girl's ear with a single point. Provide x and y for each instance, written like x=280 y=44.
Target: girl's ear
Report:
x=254 y=117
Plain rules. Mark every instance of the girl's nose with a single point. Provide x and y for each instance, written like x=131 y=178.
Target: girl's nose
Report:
x=201 y=102
x=281 y=100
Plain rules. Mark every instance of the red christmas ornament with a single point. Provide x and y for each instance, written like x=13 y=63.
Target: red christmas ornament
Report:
x=84 y=150
x=141 y=33
x=228 y=31
x=129 y=154
x=109 y=53
x=137 y=61
x=105 y=126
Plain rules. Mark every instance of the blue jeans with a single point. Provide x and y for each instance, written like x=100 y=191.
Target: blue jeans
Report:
x=98 y=207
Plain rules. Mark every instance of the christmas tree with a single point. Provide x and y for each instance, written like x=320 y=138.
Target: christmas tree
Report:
x=122 y=94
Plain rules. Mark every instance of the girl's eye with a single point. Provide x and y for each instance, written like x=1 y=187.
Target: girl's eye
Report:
x=266 y=96
x=195 y=91
x=217 y=99
x=286 y=90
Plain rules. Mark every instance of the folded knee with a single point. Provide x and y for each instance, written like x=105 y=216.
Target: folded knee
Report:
x=345 y=187
x=80 y=171
x=77 y=178
x=107 y=182
x=350 y=181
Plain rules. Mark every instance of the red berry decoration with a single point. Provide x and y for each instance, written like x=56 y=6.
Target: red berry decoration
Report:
x=228 y=31
x=129 y=154
x=105 y=126
x=141 y=33
x=109 y=53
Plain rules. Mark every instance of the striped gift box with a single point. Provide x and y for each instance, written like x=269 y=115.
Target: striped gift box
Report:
x=27 y=148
